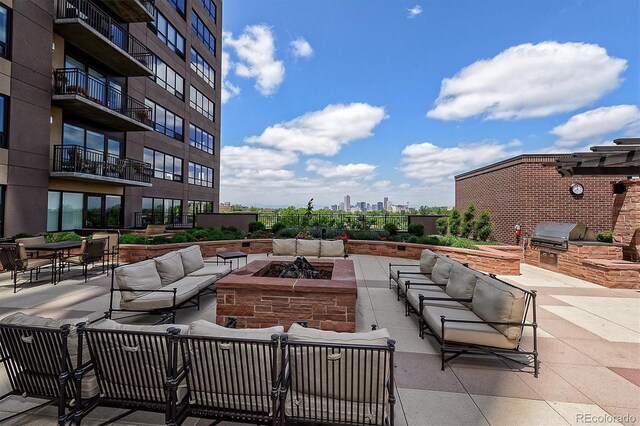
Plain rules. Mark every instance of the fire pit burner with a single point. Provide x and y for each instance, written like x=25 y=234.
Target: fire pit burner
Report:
x=299 y=268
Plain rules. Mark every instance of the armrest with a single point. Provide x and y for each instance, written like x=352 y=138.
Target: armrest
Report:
x=412 y=273
x=403 y=264
x=444 y=319
x=413 y=283
x=453 y=299
x=148 y=291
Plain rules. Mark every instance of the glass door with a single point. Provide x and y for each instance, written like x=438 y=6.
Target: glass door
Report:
x=94 y=211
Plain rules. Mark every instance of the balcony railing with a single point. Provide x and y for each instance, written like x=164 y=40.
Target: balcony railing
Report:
x=72 y=81
x=89 y=13
x=349 y=220
x=171 y=220
x=78 y=159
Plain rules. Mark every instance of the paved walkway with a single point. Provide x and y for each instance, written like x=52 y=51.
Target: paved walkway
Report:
x=589 y=348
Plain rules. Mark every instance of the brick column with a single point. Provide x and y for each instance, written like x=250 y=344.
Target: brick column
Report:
x=626 y=219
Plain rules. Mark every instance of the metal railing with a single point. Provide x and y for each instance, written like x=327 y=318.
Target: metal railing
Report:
x=89 y=13
x=72 y=81
x=346 y=220
x=171 y=220
x=78 y=159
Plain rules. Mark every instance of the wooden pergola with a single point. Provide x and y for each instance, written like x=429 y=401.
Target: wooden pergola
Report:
x=621 y=159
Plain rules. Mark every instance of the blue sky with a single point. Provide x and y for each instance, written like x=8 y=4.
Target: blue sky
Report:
x=375 y=98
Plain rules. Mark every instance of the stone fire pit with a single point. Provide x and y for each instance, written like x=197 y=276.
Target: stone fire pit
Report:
x=257 y=299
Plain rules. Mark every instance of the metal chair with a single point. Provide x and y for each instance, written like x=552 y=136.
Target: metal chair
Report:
x=91 y=251
x=112 y=248
x=14 y=258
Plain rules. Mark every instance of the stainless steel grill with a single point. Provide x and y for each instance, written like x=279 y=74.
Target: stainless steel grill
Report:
x=558 y=235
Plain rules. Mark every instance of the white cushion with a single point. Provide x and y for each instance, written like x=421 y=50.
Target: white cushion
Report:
x=461 y=284
x=191 y=259
x=212 y=268
x=331 y=248
x=162 y=299
x=169 y=267
x=413 y=298
x=207 y=328
x=494 y=300
x=441 y=271
x=284 y=247
x=298 y=333
x=200 y=281
x=308 y=248
x=427 y=261
x=161 y=328
x=140 y=277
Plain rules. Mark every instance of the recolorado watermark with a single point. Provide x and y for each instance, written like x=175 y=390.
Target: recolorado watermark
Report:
x=604 y=418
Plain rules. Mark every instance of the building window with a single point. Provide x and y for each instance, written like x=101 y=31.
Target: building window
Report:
x=203 y=32
x=202 y=104
x=179 y=6
x=164 y=166
x=210 y=7
x=167 y=33
x=200 y=207
x=160 y=211
x=200 y=139
x=203 y=68
x=72 y=210
x=92 y=140
x=167 y=78
x=200 y=175
x=164 y=121
x=3 y=189
x=5 y=31
x=4 y=121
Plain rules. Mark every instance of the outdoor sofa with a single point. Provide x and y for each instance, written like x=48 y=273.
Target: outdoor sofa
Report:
x=202 y=370
x=296 y=247
x=163 y=284
x=467 y=311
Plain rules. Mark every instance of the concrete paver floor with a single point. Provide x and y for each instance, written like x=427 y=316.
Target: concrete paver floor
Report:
x=589 y=344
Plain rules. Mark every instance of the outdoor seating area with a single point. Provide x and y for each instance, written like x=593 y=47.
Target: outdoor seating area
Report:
x=577 y=360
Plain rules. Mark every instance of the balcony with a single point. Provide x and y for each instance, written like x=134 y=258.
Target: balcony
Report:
x=82 y=24
x=79 y=163
x=131 y=10
x=90 y=98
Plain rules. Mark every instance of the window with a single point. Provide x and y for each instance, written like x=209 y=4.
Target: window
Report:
x=4 y=120
x=3 y=189
x=200 y=175
x=200 y=139
x=164 y=121
x=164 y=166
x=200 y=207
x=160 y=211
x=5 y=31
x=167 y=78
x=202 y=104
x=167 y=33
x=203 y=68
x=210 y=7
x=178 y=5
x=203 y=32
x=71 y=210
x=91 y=139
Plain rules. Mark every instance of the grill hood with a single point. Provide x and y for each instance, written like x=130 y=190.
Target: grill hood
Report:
x=557 y=235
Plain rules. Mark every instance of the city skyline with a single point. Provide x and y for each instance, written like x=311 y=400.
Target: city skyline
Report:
x=394 y=102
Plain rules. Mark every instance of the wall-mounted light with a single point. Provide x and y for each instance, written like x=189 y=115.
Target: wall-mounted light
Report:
x=619 y=188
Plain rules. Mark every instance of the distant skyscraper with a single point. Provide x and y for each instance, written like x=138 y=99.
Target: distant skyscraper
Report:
x=334 y=207
x=380 y=205
x=347 y=202
x=386 y=203
x=341 y=206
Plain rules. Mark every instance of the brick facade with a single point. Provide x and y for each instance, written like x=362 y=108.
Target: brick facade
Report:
x=626 y=218
x=522 y=191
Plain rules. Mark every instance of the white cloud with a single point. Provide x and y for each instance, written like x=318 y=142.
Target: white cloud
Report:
x=330 y=170
x=431 y=164
x=228 y=89
x=530 y=80
x=323 y=132
x=597 y=123
x=301 y=48
x=255 y=49
x=414 y=11
x=249 y=158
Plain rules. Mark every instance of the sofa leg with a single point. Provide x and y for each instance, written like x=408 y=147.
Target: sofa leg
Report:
x=442 y=357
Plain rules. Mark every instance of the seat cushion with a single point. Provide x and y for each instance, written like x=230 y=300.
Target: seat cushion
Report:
x=308 y=248
x=334 y=410
x=417 y=280
x=494 y=300
x=211 y=268
x=207 y=328
x=201 y=281
x=413 y=298
x=331 y=248
x=169 y=267
x=473 y=334
x=394 y=269
x=38 y=365
x=138 y=277
x=427 y=261
x=191 y=259
x=461 y=284
x=441 y=271
x=284 y=247
x=162 y=299
x=298 y=333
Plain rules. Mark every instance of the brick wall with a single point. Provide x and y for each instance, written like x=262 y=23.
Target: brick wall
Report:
x=522 y=191
x=626 y=218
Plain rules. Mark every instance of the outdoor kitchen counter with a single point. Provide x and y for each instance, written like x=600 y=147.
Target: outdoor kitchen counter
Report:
x=258 y=301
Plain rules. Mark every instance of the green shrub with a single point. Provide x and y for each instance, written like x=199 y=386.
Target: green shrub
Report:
x=442 y=225
x=182 y=237
x=61 y=236
x=391 y=228
x=23 y=235
x=256 y=226
x=277 y=227
x=416 y=229
x=413 y=239
x=133 y=239
x=454 y=222
x=287 y=233
x=484 y=226
x=199 y=234
x=229 y=228
x=468 y=222
x=604 y=237
x=367 y=235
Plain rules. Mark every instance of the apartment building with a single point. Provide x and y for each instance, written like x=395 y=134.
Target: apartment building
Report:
x=109 y=112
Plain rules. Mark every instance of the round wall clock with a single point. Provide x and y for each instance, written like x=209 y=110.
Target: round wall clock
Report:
x=576 y=189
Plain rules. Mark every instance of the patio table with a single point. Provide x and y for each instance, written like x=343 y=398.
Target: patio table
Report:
x=229 y=255
x=57 y=249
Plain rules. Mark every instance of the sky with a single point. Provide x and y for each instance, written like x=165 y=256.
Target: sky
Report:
x=391 y=98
